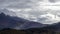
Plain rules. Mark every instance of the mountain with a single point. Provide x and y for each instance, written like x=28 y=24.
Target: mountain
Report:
x=31 y=24
x=7 y=21
x=55 y=27
x=50 y=29
x=27 y=27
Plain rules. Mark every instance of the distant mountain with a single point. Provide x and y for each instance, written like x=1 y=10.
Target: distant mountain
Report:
x=7 y=21
x=54 y=27
x=31 y=24
x=50 y=29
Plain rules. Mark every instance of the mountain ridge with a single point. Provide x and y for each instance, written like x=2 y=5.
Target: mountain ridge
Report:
x=12 y=22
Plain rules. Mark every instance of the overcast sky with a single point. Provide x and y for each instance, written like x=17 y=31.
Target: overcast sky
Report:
x=44 y=11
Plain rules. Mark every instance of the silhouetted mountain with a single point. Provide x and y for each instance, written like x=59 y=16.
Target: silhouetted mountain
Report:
x=7 y=21
x=50 y=29
x=54 y=27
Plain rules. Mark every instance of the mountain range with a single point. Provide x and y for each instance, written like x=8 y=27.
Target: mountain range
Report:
x=20 y=23
x=26 y=26
x=51 y=29
x=7 y=21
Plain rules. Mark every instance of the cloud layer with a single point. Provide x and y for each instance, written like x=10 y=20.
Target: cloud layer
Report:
x=44 y=11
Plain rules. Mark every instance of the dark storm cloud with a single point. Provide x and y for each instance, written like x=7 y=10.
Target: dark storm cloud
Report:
x=53 y=1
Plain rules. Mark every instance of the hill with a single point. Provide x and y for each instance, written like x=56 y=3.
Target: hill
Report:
x=28 y=31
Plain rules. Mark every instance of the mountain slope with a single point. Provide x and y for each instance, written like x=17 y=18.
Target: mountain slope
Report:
x=54 y=27
x=7 y=21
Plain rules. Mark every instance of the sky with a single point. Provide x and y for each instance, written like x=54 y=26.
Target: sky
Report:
x=42 y=11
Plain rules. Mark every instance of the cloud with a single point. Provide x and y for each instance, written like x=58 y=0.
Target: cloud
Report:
x=34 y=9
x=45 y=17
x=49 y=18
x=53 y=1
x=17 y=3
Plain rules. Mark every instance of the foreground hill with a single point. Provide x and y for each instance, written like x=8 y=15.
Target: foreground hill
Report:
x=11 y=31
x=28 y=31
